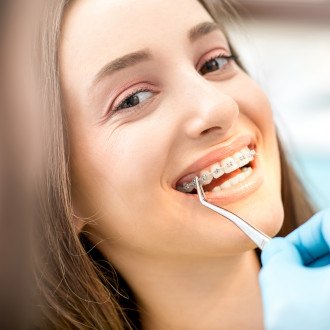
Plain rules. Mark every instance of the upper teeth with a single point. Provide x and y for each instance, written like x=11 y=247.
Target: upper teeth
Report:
x=227 y=165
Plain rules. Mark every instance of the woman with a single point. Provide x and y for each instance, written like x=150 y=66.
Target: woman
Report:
x=125 y=133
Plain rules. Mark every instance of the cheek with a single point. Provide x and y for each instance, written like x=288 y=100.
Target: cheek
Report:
x=255 y=105
x=119 y=170
x=136 y=157
x=256 y=113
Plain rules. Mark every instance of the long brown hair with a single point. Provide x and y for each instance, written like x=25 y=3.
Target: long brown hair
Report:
x=77 y=288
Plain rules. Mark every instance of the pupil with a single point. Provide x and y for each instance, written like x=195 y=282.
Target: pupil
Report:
x=212 y=65
x=131 y=102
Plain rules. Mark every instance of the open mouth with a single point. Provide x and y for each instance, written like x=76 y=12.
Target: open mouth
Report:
x=222 y=175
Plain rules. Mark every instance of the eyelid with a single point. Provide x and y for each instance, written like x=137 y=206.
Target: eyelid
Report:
x=133 y=92
x=218 y=52
x=141 y=87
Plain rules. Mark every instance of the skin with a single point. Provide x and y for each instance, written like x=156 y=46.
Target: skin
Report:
x=189 y=268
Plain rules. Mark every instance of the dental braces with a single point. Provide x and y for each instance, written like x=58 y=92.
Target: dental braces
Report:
x=190 y=186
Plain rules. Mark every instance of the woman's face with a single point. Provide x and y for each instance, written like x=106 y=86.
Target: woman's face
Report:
x=128 y=152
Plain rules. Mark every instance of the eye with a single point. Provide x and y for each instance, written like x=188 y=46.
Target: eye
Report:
x=134 y=99
x=219 y=62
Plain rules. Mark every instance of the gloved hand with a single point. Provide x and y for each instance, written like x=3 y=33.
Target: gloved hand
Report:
x=295 y=278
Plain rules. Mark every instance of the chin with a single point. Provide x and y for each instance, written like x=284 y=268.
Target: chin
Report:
x=269 y=220
x=267 y=216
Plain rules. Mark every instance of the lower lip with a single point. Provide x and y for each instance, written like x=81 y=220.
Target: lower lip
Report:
x=238 y=191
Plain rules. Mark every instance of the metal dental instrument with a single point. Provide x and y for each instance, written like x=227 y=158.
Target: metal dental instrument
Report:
x=257 y=236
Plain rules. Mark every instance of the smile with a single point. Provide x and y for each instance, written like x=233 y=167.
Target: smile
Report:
x=223 y=174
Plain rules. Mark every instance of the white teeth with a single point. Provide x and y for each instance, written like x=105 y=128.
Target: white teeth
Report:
x=206 y=177
x=240 y=177
x=248 y=171
x=229 y=165
x=241 y=159
x=225 y=185
x=234 y=180
x=216 y=189
x=217 y=170
x=188 y=187
x=247 y=154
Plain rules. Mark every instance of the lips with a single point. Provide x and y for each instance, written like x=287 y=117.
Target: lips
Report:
x=225 y=150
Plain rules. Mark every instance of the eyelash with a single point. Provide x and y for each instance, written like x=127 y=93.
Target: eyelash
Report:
x=139 y=90
x=143 y=89
x=222 y=56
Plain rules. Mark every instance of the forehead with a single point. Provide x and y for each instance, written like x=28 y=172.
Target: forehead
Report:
x=108 y=29
x=116 y=21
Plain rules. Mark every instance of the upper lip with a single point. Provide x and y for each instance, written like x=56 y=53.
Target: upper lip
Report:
x=225 y=150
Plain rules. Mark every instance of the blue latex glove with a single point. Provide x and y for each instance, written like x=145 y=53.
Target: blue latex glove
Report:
x=295 y=278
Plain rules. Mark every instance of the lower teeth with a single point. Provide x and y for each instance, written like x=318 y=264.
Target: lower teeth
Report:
x=245 y=172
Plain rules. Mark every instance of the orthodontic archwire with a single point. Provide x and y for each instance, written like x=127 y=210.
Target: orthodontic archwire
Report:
x=190 y=186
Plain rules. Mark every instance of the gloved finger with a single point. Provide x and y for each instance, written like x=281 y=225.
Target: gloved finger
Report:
x=320 y=262
x=312 y=239
x=279 y=250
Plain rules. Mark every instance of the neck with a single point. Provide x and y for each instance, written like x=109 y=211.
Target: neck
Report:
x=214 y=293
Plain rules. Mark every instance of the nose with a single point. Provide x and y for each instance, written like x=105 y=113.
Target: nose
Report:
x=208 y=109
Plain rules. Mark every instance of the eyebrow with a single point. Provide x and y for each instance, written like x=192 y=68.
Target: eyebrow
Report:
x=144 y=55
x=201 y=30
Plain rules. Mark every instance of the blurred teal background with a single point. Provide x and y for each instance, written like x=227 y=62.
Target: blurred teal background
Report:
x=316 y=168
x=285 y=46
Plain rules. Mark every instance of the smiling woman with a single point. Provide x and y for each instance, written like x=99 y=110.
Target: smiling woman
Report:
x=135 y=108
